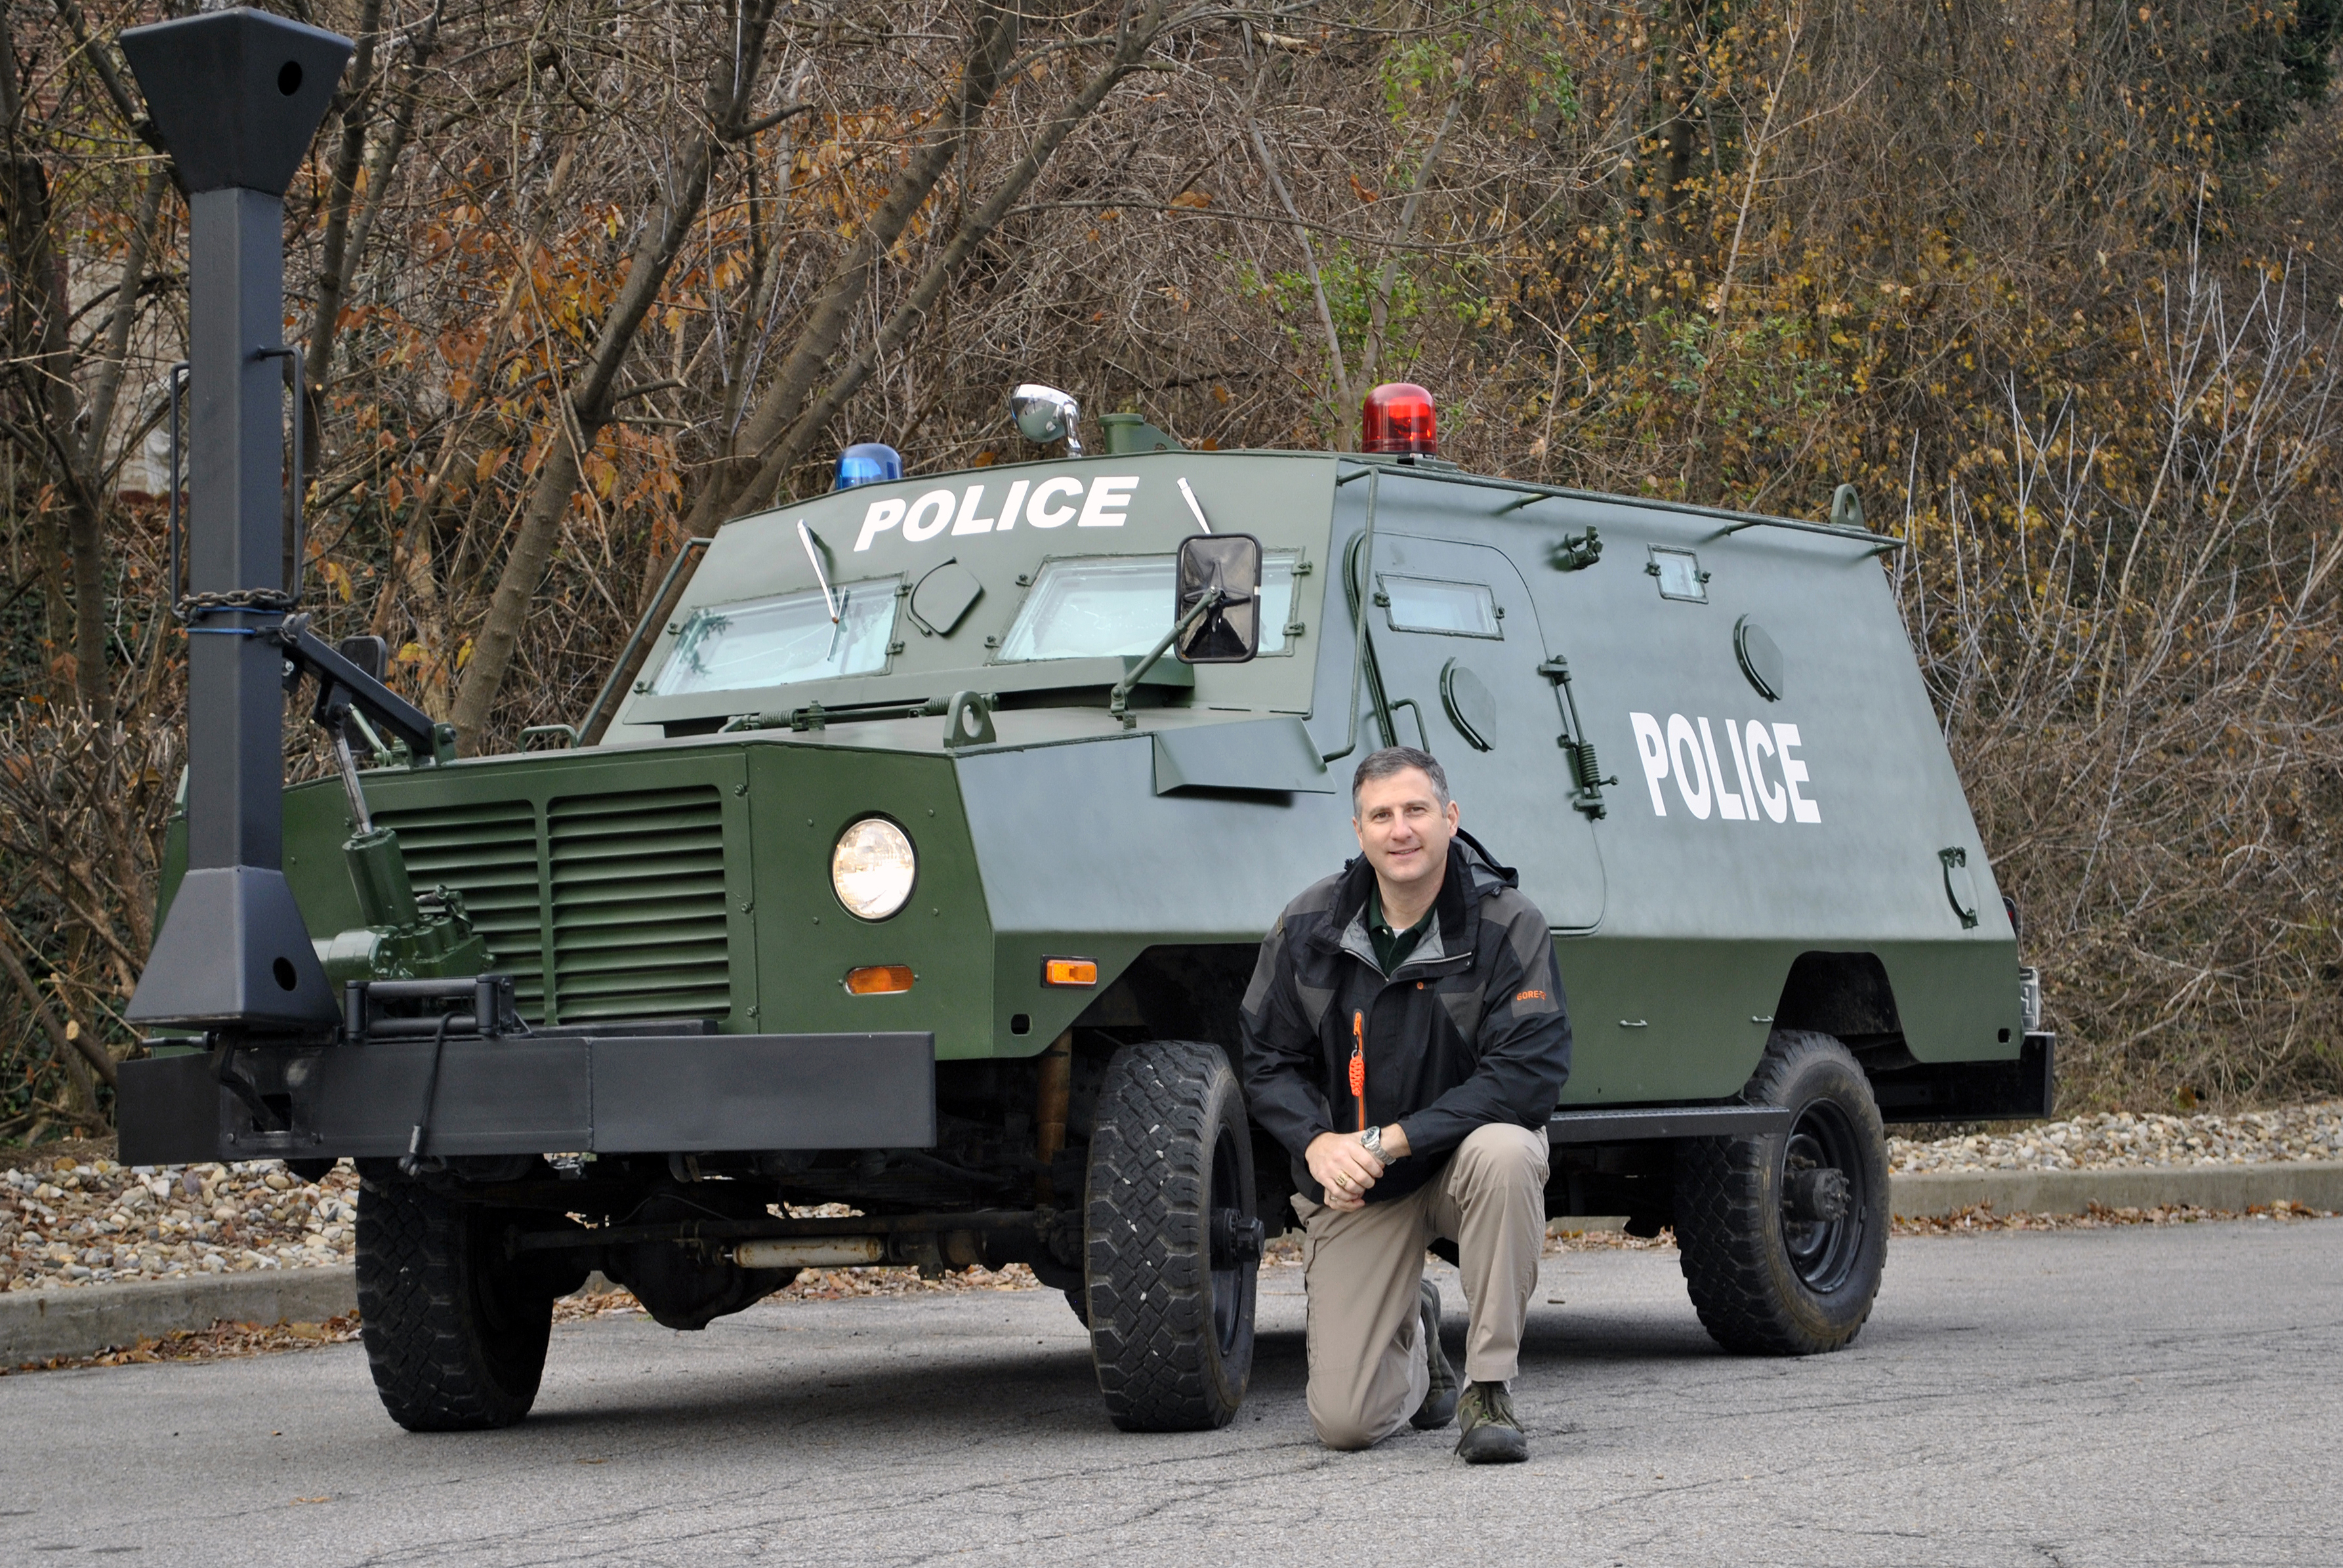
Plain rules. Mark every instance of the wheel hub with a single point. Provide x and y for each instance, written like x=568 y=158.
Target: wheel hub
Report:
x=1237 y=1239
x=1818 y=1194
x=1823 y=1202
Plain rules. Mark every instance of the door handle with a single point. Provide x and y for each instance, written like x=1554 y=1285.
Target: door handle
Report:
x=1960 y=888
x=1423 y=738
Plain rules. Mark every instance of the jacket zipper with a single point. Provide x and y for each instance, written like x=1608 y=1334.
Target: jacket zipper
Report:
x=1359 y=1064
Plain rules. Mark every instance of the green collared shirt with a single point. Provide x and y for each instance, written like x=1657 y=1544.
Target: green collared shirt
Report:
x=1392 y=947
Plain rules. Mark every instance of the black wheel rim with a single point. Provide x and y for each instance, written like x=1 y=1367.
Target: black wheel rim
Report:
x=1229 y=1283
x=1823 y=1252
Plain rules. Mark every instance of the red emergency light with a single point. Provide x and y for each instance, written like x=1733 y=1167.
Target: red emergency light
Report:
x=1398 y=419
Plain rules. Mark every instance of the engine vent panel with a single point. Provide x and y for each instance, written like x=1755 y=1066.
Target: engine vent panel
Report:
x=488 y=854
x=639 y=927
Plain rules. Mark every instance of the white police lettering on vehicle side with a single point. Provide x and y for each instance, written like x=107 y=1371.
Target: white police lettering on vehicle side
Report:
x=1686 y=749
x=1105 y=503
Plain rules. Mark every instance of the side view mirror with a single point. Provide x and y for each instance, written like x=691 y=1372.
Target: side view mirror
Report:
x=1220 y=577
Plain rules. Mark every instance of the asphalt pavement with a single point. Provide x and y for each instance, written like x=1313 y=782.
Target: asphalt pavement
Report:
x=2137 y=1395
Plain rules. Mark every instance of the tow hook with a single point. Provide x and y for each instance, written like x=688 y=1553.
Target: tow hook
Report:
x=1813 y=1195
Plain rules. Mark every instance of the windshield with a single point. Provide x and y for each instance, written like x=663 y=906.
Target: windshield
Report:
x=1100 y=606
x=776 y=642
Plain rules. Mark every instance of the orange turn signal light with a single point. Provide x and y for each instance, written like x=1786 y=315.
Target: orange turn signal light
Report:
x=878 y=980
x=1070 y=971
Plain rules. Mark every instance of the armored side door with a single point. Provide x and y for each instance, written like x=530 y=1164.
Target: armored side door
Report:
x=1465 y=667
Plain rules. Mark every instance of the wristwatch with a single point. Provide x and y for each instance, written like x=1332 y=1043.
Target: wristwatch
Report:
x=1371 y=1139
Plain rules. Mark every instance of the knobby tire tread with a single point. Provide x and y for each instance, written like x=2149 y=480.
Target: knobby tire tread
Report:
x=1149 y=1285
x=1745 y=1297
x=440 y=1361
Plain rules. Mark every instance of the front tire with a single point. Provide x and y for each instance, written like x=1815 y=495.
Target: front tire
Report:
x=1784 y=1238
x=1172 y=1248
x=455 y=1333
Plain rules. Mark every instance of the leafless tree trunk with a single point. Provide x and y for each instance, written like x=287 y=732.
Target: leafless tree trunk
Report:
x=735 y=82
x=1133 y=40
x=833 y=309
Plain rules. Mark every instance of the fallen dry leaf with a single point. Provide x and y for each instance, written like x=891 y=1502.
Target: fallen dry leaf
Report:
x=222 y=1341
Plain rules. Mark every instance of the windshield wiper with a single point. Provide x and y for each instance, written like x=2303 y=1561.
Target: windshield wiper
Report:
x=829 y=599
x=817 y=715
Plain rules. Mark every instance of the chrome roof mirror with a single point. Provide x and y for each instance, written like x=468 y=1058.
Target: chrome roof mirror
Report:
x=1044 y=414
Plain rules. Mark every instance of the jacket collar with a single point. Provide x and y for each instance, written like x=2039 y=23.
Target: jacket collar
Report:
x=1471 y=874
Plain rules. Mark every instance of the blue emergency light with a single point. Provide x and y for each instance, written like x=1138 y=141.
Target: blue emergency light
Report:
x=868 y=463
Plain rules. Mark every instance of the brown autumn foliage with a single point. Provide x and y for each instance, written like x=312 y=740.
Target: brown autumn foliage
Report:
x=2052 y=284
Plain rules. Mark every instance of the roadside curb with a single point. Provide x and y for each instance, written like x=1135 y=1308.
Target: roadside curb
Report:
x=1934 y=1195
x=36 y=1325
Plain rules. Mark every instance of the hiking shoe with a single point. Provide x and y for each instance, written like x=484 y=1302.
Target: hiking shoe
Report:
x=1439 y=1406
x=1491 y=1435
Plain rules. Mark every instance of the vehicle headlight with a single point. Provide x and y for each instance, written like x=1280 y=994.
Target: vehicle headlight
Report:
x=872 y=868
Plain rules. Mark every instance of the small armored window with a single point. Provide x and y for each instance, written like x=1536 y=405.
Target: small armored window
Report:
x=1443 y=608
x=1680 y=574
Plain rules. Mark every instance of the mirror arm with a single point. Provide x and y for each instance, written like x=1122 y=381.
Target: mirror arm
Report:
x=1118 y=700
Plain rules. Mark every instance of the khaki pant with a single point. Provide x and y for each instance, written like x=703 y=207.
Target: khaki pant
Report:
x=1361 y=1270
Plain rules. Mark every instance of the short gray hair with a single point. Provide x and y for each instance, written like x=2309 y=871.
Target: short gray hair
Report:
x=1396 y=759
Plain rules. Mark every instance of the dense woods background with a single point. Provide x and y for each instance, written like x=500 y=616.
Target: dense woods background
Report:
x=2053 y=282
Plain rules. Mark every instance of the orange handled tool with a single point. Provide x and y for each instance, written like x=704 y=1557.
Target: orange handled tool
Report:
x=1359 y=1065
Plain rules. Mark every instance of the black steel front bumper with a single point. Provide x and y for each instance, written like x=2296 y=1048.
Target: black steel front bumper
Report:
x=533 y=1094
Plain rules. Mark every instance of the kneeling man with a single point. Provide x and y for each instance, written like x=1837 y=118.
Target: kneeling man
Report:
x=1404 y=1038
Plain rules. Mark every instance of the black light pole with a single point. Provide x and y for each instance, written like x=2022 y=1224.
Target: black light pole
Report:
x=238 y=96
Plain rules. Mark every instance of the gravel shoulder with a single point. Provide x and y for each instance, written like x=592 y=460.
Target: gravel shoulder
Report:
x=2128 y=1139
x=74 y=1218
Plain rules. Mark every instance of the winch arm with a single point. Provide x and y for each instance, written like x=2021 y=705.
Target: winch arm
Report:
x=342 y=685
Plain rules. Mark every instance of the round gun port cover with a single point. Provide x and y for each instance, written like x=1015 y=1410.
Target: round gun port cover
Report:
x=1760 y=660
x=1470 y=706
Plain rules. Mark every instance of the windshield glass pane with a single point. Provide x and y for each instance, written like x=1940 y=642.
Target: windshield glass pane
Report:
x=1102 y=607
x=776 y=642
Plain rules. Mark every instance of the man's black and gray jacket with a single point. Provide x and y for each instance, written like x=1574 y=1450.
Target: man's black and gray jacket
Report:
x=1470 y=1029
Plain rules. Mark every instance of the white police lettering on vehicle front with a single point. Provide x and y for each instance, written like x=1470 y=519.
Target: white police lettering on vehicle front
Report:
x=1105 y=503
x=936 y=505
x=1686 y=748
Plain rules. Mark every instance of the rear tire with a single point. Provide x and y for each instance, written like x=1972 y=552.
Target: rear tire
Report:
x=455 y=1333
x=1170 y=1157
x=1767 y=1279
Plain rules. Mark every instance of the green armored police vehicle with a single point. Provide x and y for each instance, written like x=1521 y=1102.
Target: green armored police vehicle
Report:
x=915 y=874
x=901 y=912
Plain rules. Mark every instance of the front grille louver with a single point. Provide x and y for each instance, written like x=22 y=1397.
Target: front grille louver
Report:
x=638 y=928
x=488 y=854
x=639 y=919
